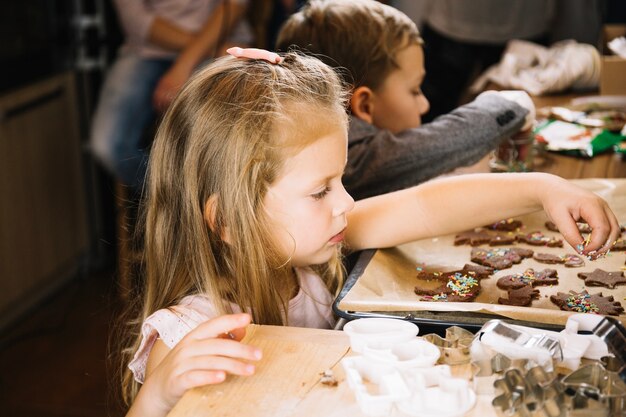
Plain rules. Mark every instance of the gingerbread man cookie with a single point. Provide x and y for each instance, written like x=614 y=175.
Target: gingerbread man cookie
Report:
x=569 y=260
x=500 y=258
x=507 y=225
x=460 y=286
x=520 y=297
x=479 y=237
x=537 y=238
x=582 y=227
x=529 y=277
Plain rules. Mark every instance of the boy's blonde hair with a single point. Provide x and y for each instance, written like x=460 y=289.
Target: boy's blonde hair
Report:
x=361 y=38
x=223 y=140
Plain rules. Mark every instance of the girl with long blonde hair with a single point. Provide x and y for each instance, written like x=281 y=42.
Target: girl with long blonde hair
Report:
x=245 y=218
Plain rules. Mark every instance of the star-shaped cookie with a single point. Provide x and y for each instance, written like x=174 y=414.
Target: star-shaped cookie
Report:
x=602 y=278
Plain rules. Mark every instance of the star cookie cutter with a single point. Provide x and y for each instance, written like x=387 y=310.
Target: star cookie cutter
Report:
x=454 y=346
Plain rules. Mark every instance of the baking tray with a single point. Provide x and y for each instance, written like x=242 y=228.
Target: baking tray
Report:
x=381 y=281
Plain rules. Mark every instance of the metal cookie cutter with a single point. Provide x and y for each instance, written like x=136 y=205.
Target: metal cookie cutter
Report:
x=534 y=393
x=454 y=347
x=598 y=383
x=516 y=342
x=487 y=371
x=613 y=333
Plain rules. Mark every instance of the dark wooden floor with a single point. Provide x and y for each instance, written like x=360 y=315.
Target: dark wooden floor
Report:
x=54 y=362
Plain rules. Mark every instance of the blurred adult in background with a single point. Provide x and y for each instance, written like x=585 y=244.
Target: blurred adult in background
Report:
x=165 y=41
x=463 y=38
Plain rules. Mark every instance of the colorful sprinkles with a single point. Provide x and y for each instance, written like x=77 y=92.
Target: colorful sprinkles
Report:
x=581 y=303
x=461 y=285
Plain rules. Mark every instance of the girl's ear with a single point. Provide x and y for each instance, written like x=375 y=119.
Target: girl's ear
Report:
x=362 y=104
x=210 y=212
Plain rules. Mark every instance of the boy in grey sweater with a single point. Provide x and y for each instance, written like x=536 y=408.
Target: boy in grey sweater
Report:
x=378 y=51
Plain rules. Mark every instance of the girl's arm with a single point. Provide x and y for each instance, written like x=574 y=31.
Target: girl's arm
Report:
x=202 y=357
x=459 y=203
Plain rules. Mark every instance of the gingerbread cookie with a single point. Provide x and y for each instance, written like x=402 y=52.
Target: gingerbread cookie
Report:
x=573 y=261
x=529 y=277
x=583 y=302
x=522 y=296
x=582 y=227
x=500 y=239
x=460 y=286
x=547 y=258
x=601 y=278
x=507 y=225
x=537 y=238
x=500 y=258
x=570 y=260
x=473 y=237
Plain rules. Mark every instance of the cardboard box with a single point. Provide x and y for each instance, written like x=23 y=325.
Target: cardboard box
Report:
x=613 y=72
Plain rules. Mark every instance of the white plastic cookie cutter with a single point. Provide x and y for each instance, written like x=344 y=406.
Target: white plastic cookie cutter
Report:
x=379 y=333
x=397 y=369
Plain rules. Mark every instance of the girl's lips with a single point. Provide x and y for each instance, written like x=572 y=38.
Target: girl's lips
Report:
x=338 y=237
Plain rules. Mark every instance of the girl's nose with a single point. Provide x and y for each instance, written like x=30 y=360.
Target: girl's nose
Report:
x=344 y=204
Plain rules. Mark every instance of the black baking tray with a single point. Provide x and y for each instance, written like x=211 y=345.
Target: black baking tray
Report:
x=428 y=321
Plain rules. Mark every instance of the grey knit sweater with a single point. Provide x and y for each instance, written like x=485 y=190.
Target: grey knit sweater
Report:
x=381 y=162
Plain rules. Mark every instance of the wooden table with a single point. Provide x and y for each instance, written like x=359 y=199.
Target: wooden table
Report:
x=287 y=380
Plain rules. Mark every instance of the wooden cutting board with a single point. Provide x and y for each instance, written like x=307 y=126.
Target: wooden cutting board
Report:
x=287 y=380
x=293 y=359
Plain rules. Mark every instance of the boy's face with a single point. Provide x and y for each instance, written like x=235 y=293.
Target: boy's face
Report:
x=307 y=204
x=398 y=103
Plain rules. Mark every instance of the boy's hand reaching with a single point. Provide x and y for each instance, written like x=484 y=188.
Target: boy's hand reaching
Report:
x=566 y=204
x=204 y=356
x=520 y=97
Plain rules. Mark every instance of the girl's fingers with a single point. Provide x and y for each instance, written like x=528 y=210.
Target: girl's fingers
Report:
x=222 y=347
x=568 y=228
x=615 y=230
x=604 y=228
x=200 y=377
x=216 y=363
x=220 y=326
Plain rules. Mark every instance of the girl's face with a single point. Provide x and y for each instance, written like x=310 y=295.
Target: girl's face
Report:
x=307 y=204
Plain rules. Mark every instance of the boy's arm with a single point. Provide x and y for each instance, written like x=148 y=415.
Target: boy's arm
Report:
x=459 y=203
x=383 y=162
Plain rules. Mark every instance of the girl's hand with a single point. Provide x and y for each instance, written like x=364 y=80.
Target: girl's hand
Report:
x=204 y=356
x=566 y=204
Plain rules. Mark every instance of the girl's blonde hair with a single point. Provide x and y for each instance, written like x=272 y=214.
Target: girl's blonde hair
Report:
x=223 y=139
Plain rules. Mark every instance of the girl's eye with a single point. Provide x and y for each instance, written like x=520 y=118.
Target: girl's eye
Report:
x=417 y=92
x=321 y=194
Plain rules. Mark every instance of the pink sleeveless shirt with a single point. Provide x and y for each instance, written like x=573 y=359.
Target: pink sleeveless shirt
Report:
x=311 y=307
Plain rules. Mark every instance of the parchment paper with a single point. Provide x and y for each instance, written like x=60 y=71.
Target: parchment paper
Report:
x=389 y=279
